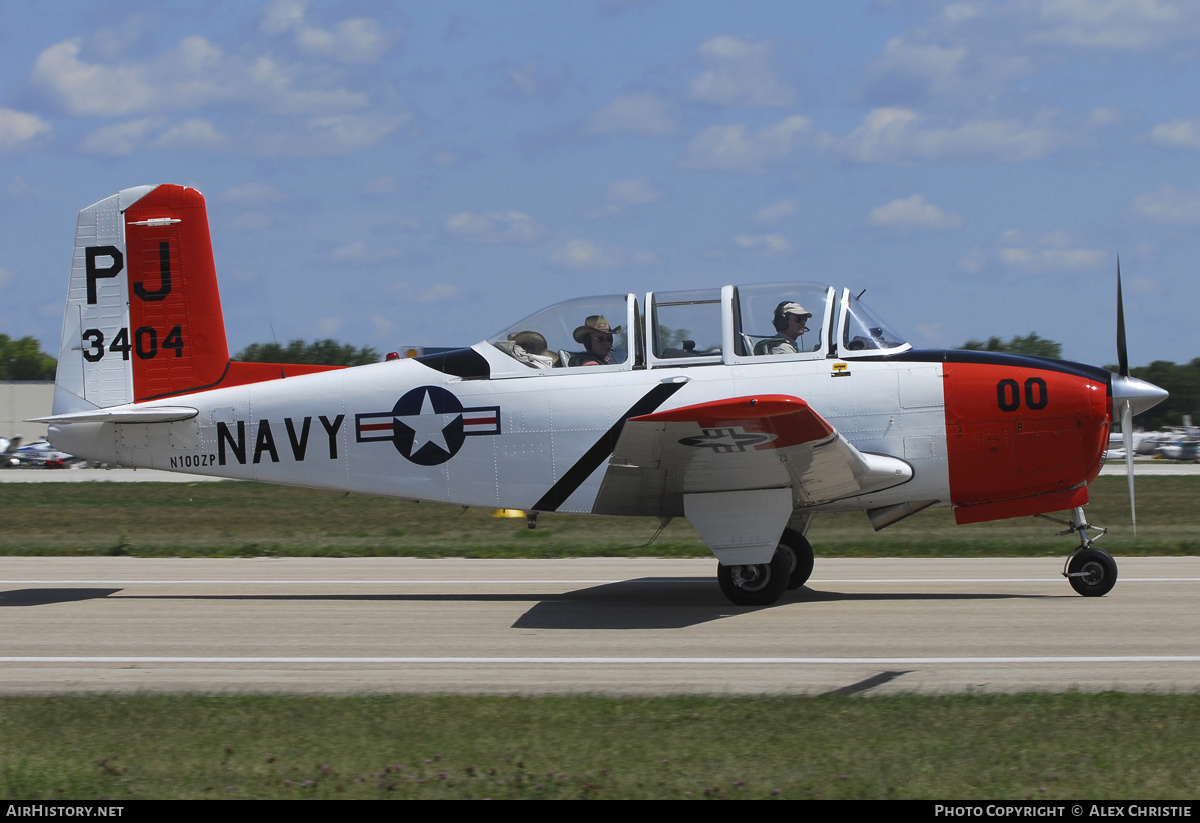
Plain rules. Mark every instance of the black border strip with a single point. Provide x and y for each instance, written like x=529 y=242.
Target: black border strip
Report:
x=601 y=449
x=192 y=390
x=1028 y=361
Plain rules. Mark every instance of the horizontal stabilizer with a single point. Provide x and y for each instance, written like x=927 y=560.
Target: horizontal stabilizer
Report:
x=123 y=414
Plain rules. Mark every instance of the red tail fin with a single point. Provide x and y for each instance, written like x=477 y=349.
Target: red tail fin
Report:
x=143 y=315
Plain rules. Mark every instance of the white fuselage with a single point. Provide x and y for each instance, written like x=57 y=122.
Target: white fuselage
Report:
x=521 y=435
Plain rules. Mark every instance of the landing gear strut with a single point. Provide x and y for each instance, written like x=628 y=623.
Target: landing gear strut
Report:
x=1091 y=572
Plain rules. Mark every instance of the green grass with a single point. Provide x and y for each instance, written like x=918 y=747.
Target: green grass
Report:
x=999 y=747
x=231 y=519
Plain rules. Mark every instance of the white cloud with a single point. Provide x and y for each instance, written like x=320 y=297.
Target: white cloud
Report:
x=355 y=40
x=1053 y=251
x=494 y=228
x=584 y=255
x=773 y=213
x=328 y=136
x=434 y=293
x=623 y=194
x=252 y=195
x=1113 y=25
x=18 y=128
x=531 y=80
x=195 y=74
x=120 y=139
x=329 y=326
x=283 y=15
x=193 y=133
x=1168 y=205
x=358 y=252
x=898 y=135
x=384 y=184
x=641 y=114
x=736 y=148
x=1103 y=116
x=739 y=73
x=913 y=213
x=1177 y=134
x=767 y=245
x=936 y=67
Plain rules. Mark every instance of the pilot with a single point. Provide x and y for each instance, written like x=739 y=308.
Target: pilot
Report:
x=597 y=338
x=790 y=321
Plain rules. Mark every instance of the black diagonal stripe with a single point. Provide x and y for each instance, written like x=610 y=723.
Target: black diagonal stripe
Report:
x=602 y=449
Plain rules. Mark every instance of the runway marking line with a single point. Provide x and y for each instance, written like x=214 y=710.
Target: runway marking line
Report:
x=1056 y=580
x=732 y=661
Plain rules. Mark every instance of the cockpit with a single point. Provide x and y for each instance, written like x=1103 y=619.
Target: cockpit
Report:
x=699 y=327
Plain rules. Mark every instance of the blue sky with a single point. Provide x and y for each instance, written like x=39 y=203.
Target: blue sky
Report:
x=402 y=173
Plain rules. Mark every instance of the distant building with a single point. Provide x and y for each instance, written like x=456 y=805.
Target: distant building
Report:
x=21 y=400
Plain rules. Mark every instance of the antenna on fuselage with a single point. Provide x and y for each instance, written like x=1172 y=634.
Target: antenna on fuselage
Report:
x=275 y=340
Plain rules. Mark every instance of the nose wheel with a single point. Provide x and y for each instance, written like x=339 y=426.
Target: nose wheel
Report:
x=1091 y=572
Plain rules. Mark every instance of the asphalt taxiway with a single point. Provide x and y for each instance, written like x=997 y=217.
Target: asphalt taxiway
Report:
x=617 y=626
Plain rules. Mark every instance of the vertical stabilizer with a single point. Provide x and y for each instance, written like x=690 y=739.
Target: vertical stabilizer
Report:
x=143 y=317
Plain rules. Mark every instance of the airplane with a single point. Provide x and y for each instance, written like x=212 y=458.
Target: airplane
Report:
x=746 y=409
x=37 y=453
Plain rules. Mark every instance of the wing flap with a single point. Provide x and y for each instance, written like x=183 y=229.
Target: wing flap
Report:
x=738 y=444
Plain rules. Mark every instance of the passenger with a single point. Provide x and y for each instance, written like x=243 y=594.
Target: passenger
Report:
x=791 y=321
x=597 y=338
x=530 y=347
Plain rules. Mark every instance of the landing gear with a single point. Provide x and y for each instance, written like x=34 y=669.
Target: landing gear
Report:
x=1091 y=572
x=800 y=551
x=761 y=584
x=757 y=584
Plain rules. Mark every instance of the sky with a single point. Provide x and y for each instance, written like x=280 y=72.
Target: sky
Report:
x=427 y=173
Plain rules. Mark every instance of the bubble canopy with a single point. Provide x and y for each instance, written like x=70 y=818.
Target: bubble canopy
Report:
x=731 y=324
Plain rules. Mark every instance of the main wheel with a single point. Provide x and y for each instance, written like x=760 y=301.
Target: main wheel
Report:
x=801 y=557
x=1092 y=572
x=756 y=584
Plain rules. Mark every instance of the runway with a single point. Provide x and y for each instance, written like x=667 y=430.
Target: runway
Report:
x=614 y=626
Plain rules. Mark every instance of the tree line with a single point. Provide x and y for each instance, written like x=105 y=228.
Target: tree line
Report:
x=24 y=360
x=317 y=353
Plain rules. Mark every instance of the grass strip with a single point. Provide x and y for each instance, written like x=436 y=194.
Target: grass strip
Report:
x=239 y=519
x=1000 y=747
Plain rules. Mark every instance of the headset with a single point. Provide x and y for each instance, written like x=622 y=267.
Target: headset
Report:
x=780 y=321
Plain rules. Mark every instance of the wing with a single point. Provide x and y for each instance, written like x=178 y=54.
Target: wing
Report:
x=738 y=445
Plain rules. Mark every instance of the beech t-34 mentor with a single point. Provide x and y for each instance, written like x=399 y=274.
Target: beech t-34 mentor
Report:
x=745 y=409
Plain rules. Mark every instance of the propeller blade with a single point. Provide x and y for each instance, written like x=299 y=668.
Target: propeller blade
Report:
x=1122 y=353
x=1127 y=439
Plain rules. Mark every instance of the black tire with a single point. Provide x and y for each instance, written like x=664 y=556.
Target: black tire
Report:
x=1092 y=572
x=801 y=557
x=758 y=584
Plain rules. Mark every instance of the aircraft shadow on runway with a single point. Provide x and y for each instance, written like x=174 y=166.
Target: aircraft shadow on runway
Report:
x=45 y=597
x=642 y=603
x=648 y=604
